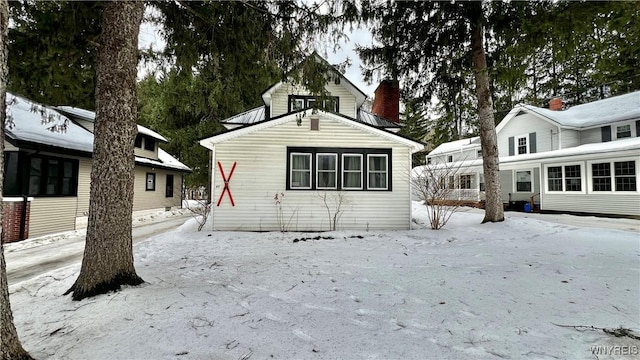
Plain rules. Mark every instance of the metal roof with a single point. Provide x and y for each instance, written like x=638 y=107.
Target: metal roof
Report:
x=259 y=114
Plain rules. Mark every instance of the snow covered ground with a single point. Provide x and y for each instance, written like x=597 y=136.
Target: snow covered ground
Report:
x=487 y=291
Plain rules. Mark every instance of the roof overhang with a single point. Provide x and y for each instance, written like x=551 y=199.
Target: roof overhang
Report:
x=210 y=142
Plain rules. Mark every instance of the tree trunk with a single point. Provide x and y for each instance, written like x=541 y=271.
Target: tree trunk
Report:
x=10 y=347
x=108 y=255
x=494 y=211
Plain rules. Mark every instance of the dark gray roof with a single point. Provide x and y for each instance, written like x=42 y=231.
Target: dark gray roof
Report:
x=258 y=114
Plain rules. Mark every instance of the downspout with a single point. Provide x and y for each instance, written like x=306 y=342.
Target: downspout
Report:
x=212 y=179
x=559 y=138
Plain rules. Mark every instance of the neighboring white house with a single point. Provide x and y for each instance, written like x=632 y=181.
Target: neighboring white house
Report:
x=291 y=164
x=581 y=160
x=48 y=157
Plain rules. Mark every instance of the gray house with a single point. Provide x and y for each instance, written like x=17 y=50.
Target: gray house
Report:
x=581 y=160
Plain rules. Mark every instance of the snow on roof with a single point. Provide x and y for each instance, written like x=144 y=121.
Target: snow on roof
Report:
x=586 y=149
x=605 y=111
x=165 y=160
x=29 y=124
x=88 y=115
x=454 y=145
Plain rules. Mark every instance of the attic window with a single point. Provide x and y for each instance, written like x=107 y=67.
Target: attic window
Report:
x=315 y=123
x=138 y=142
x=299 y=102
x=149 y=144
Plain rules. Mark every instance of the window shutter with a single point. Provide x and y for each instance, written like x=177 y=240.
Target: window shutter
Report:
x=512 y=146
x=532 y=143
x=637 y=128
x=606 y=133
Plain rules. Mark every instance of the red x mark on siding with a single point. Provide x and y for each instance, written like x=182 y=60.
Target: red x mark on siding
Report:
x=226 y=183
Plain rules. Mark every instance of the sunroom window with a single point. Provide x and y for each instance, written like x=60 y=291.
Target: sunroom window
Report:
x=378 y=172
x=352 y=171
x=327 y=169
x=300 y=171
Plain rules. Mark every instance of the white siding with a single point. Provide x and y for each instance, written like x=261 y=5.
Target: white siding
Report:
x=147 y=153
x=590 y=136
x=570 y=138
x=280 y=98
x=588 y=201
x=546 y=133
x=261 y=173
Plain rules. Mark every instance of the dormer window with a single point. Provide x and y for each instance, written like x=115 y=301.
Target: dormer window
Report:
x=299 y=102
x=149 y=143
x=138 y=142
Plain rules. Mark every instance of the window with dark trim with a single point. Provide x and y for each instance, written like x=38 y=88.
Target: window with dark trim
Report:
x=299 y=102
x=138 y=142
x=40 y=175
x=169 y=186
x=150 y=183
x=378 y=172
x=149 y=143
x=338 y=169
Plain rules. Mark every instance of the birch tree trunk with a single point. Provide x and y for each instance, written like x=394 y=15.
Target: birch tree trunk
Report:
x=108 y=255
x=494 y=211
x=10 y=346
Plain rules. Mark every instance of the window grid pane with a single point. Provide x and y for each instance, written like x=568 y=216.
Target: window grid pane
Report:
x=625 y=173
x=572 y=178
x=554 y=175
x=623 y=131
x=601 y=176
x=522 y=145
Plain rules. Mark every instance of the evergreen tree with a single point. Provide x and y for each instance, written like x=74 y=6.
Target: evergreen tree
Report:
x=10 y=346
x=52 y=51
x=108 y=256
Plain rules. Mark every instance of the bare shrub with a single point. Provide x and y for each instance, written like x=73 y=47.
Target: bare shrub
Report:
x=283 y=223
x=437 y=185
x=200 y=211
x=334 y=204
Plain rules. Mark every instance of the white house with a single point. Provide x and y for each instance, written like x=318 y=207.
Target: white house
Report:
x=581 y=160
x=293 y=165
x=53 y=168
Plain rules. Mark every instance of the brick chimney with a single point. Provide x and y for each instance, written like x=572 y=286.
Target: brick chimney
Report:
x=386 y=102
x=555 y=104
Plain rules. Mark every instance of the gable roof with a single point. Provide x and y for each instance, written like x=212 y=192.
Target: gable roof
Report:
x=265 y=124
x=579 y=117
x=354 y=90
x=87 y=115
x=28 y=128
x=258 y=114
